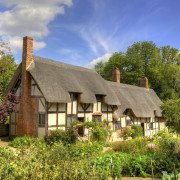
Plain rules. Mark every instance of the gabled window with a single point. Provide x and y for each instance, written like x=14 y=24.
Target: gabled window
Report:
x=73 y=96
x=99 y=98
x=97 y=118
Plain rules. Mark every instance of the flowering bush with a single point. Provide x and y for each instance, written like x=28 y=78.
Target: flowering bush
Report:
x=152 y=146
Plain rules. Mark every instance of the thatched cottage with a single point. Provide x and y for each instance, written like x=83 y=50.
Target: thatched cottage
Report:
x=54 y=94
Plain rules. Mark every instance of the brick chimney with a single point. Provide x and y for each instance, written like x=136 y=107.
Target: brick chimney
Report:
x=26 y=125
x=116 y=75
x=144 y=82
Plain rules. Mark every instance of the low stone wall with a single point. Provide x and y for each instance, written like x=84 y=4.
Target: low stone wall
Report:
x=4 y=130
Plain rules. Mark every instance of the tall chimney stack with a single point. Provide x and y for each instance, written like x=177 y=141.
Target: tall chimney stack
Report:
x=116 y=75
x=25 y=124
x=144 y=82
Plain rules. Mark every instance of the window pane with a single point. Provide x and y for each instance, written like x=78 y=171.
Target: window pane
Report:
x=73 y=96
x=128 y=122
x=117 y=125
x=151 y=126
x=99 y=98
x=42 y=120
x=97 y=118
x=70 y=120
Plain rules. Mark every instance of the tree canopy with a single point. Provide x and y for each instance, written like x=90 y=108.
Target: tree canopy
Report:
x=171 y=112
x=144 y=59
x=8 y=67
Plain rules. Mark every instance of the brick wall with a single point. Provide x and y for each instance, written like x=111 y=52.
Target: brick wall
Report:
x=26 y=124
x=116 y=75
x=144 y=82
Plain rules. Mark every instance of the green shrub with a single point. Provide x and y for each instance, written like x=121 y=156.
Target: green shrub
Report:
x=138 y=145
x=138 y=131
x=99 y=134
x=22 y=142
x=127 y=132
x=99 y=131
x=67 y=137
x=83 y=150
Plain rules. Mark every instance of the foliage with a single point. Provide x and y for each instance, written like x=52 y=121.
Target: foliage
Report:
x=8 y=105
x=99 y=132
x=138 y=145
x=84 y=150
x=138 y=131
x=8 y=66
x=160 y=65
x=67 y=137
x=20 y=142
x=86 y=161
x=127 y=132
x=55 y=161
x=171 y=112
x=171 y=176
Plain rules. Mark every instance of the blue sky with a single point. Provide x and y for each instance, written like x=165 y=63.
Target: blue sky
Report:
x=83 y=32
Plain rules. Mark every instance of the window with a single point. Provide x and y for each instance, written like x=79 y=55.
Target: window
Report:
x=42 y=120
x=117 y=125
x=128 y=122
x=151 y=126
x=99 y=98
x=73 y=96
x=97 y=118
x=70 y=120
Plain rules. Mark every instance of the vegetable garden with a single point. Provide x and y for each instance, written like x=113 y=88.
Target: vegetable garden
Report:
x=62 y=156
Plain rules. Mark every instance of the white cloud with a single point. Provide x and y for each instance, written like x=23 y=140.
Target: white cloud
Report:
x=29 y=17
x=103 y=58
x=16 y=43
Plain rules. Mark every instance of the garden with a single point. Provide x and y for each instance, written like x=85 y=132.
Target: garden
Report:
x=62 y=156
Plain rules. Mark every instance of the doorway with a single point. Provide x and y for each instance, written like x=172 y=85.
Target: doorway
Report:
x=81 y=128
x=142 y=125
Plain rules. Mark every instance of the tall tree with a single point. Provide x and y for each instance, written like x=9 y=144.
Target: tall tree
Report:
x=8 y=66
x=160 y=65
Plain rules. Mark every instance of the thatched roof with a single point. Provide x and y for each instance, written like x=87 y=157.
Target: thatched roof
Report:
x=141 y=101
x=57 y=79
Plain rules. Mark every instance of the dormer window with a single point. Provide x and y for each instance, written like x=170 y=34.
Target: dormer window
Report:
x=73 y=96
x=99 y=98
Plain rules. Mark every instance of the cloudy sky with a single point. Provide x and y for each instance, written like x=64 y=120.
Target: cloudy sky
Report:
x=83 y=32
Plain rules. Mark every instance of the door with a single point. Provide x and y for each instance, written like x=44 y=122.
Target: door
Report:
x=81 y=128
x=142 y=125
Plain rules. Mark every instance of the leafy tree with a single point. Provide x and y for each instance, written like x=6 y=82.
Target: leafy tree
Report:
x=8 y=66
x=171 y=112
x=160 y=65
x=99 y=67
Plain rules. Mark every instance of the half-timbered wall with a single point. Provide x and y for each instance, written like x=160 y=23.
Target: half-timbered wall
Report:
x=57 y=116
x=150 y=125
x=14 y=116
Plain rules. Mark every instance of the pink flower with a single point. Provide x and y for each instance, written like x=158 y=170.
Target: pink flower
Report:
x=153 y=146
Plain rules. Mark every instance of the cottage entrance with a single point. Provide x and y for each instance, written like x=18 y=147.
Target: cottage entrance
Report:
x=142 y=125
x=81 y=128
